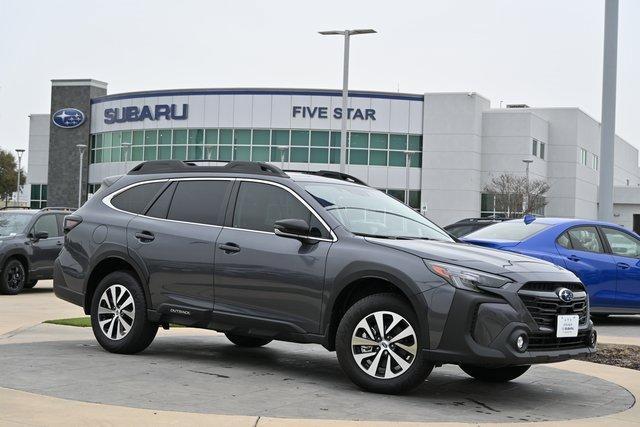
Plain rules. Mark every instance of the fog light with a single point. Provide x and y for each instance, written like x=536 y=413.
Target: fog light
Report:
x=593 y=338
x=522 y=343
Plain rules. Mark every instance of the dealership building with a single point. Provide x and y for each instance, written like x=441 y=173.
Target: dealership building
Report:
x=445 y=147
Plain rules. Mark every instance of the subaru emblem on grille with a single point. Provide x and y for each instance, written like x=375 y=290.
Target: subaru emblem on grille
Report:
x=565 y=294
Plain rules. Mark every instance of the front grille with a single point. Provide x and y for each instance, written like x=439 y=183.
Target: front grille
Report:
x=544 y=306
x=543 y=342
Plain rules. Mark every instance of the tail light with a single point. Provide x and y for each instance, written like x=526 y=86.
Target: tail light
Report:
x=71 y=222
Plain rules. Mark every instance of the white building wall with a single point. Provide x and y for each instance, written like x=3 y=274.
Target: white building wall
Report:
x=38 y=164
x=452 y=155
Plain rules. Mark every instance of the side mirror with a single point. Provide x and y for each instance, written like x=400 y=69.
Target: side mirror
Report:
x=39 y=235
x=293 y=228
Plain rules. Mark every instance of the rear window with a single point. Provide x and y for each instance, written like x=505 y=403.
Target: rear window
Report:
x=136 y=198
x=515 y=231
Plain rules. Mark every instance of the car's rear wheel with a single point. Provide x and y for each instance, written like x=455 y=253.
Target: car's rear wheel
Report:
x=245 y=341
x=30 y=284
x=378 y=344
x=119 y=315
x=495 y=375
x=13 y=277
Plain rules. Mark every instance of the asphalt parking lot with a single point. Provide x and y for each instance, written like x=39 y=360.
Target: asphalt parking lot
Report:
x=198 y=371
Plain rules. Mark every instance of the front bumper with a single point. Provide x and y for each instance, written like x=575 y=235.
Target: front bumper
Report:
x=481 y=329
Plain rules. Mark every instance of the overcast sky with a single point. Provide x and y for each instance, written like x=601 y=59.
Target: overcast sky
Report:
x=545 y=53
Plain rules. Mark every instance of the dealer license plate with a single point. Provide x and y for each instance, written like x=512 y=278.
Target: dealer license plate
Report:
x=567 y=326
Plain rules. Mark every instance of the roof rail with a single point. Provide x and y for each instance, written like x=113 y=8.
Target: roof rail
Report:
x=332 y=174
x=179 y=166
x=58 y=208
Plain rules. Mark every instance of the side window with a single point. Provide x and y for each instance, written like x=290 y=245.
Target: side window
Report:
x=564 y=240
x=201 y=202
x=259 y=206
x=48 y=224
x=136 y=198
x=585 y=239
x=621 y=243
x=160 y=207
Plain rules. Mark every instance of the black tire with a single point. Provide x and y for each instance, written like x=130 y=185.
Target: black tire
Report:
x=30 y=284
x=495 y=375
x=141 y=332
x=12 y=277
x=407 y=378
x=245 y=341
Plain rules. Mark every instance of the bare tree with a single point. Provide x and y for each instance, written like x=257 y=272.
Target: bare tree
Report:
x=510 y=192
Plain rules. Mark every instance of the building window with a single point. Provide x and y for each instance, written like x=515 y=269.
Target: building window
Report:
x=538 y=148
x=584 y=156
x=534 y=149
x=504 y=205
x=301 y=146
x=38 y=196
x=595 y=162
x=543 y=150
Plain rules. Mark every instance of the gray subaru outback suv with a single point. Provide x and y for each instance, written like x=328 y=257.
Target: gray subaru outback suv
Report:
x=260 y=254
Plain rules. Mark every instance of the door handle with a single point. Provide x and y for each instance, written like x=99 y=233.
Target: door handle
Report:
x=230 y=247
x=623 y=265
x=145 y=236
x=573 y=258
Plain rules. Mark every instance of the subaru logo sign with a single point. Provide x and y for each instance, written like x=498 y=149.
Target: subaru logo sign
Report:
x=68 y=118
x=565 y=294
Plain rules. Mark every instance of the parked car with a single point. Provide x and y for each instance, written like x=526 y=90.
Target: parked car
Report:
x=259 y=254
x=469 y=225
x=606 y=257
x=30 y=241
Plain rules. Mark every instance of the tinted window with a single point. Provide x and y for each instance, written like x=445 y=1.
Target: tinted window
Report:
x=201 y=202
x=135 y=199
x=564 y=240
x=463 y=230
x=259 y=206
x=621 y=243
x=585 y=239
x=514 y=231
x=160 y=207
x=48 y=224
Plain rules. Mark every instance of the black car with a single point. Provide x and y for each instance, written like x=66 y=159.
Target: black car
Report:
x=30 y=241
x=260 y=254
x=469 y=225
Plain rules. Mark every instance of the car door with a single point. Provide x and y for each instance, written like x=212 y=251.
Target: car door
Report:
x=625 y=249
x=584 y=254
x=175 y=239
x=45 y=251
x=264 y=276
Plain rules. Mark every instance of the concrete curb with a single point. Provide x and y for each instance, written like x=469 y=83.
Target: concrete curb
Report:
x=22 y=408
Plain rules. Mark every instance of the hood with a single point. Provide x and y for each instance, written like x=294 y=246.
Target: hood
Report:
x=466 y=255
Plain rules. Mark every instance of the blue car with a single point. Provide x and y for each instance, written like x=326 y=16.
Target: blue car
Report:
x=606 y=257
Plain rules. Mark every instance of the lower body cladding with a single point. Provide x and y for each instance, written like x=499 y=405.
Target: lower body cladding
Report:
x=487 y=330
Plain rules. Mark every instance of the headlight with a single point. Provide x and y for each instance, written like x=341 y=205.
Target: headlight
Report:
x=466 y=278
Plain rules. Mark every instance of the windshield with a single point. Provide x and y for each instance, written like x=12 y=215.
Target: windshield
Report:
x=13 y=222
x=514 y=231
x=368 y=212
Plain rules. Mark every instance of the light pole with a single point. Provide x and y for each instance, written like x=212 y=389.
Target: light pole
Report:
x=20 y=152
x=283 y=149
x=81 y=148
x=525 y=200
x=126 y=146
x=345 y=85
x=408 y=155
x=608 y=127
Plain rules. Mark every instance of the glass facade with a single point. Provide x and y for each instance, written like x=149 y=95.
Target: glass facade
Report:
x=38 y=196
x=298 y=146
x=414 y=196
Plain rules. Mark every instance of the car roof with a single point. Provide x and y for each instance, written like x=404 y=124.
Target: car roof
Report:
x=568 y=221
x=304 y=177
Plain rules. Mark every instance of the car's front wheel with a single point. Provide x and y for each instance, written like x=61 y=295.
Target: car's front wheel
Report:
x=495 y=375
x=378 y=344
x=13 y=277
x=119 y=315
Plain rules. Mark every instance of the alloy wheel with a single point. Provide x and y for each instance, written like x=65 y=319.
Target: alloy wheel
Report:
x=384 y=344
x=116 y=312
x=15 y=276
